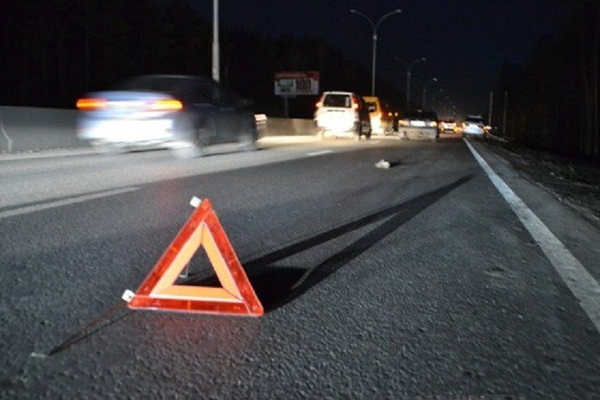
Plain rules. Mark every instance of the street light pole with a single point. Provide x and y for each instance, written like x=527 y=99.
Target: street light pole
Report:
x=425 y=90
x=375 y=27
x=215 y=45
x=409 y=75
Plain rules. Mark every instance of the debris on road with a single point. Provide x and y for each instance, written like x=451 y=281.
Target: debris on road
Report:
x=382 y=164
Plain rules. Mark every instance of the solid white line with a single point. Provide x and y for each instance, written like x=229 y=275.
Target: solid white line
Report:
x=64 y=202
x=578 y=279
x=318 y=153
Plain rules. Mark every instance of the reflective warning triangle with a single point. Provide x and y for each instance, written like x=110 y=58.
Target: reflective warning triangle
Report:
x=159 y=291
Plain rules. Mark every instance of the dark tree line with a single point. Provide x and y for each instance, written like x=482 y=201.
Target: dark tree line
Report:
x=54 y=51
x=553 y=99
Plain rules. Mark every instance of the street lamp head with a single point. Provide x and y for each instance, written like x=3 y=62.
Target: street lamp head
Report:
x=353 y=11
x=423 y=59
x=435 y=79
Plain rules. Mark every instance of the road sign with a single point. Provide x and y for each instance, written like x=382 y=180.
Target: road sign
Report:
x=294 y=83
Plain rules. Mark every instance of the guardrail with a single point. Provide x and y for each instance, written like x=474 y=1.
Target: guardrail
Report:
x=34 y=129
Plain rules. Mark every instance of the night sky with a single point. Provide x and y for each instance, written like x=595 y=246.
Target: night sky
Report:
x=465 y=41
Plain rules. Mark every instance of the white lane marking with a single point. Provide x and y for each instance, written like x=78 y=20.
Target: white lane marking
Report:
x=318 y=153
x=578 y=279
x=64 y=202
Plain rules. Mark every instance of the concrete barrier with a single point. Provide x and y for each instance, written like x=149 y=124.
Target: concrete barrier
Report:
x=27 y=129
x=288 y=127
x=34 y=129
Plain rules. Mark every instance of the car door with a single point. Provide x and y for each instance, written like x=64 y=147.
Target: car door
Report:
x=205 y=111
x=227 y=119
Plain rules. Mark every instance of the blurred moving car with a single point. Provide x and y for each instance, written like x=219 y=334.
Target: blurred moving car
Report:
x=343 y=114
x=474 y=126
x=418 y=124
x=381 y=122
x=180 y=112
x=448 y=124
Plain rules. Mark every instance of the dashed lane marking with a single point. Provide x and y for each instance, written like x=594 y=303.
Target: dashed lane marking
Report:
x=318 y=153
x=63 y=202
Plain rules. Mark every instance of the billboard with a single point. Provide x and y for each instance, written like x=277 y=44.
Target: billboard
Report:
x=296 y=83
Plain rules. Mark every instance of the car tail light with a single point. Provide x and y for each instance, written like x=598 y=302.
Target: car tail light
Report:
x=355 y=103
x=91 y=104
x=165 y=105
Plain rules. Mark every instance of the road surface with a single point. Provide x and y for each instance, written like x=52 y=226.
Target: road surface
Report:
x=409 y=282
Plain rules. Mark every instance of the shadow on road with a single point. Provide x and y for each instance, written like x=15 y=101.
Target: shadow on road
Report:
x=277 y=286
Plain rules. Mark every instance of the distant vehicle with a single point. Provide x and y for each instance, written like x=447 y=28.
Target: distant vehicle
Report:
x=474 y=126
x=381 y=122
x=448 y=124
x=343 y=114
x=181 y=112
x=418 y=124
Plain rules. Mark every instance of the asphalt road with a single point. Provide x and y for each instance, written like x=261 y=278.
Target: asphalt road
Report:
x=418 y=280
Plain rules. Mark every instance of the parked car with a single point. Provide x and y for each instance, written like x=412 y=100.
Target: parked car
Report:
x=381 y=122
x=181 y=112
x=474 y=126
x=342 y=114
x=418 y=124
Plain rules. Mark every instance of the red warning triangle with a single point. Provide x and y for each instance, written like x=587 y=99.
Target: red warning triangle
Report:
x=159 y=291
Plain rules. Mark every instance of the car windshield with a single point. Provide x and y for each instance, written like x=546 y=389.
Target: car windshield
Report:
x=337 y=100
x=372 y=104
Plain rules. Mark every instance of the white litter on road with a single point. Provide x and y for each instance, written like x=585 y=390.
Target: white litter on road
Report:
x=383 y=164
x=581 y=283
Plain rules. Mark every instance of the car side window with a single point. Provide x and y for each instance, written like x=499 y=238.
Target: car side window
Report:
x=204 y=92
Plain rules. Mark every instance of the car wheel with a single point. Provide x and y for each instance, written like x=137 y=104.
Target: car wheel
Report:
x=247 y=142
x=248 y=136
x=200 y=135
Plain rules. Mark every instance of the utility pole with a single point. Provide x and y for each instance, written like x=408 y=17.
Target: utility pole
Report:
x=215 y=46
